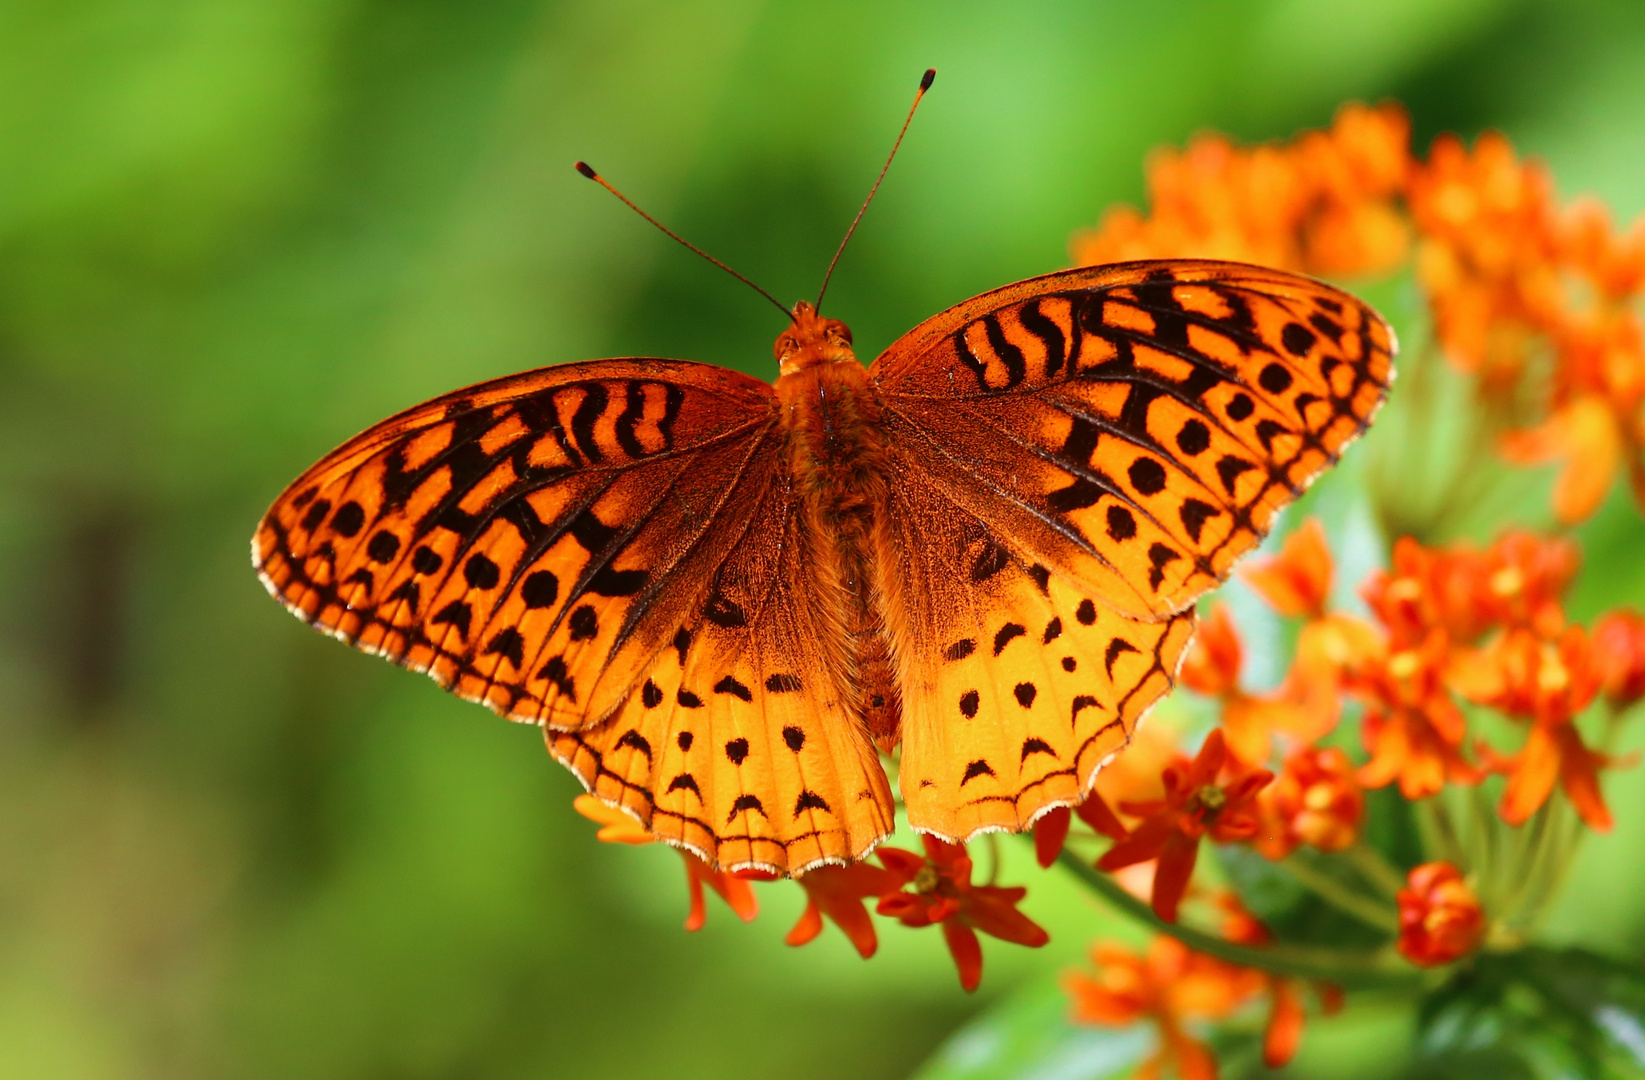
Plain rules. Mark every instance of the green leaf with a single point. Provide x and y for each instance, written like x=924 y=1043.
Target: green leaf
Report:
x=1537 y=1013
x=1028 y=1036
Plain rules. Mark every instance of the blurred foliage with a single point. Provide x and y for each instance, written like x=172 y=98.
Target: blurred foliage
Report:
x=233 y=234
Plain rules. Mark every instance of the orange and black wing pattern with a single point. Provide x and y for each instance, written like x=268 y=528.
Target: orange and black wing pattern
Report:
x=1127 y=431
x=597 y=548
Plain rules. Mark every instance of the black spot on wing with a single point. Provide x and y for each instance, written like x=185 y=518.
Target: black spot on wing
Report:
x=584 y=624
x=1042 y=578
x=481 y=573
x=349 y=519
x=745 y=803
x=554 y=670
x=508 y=644
x=1275 y=378
x=810 y=800
x=729 y=685
x=960 y=649
x=1116 y=648
x=1194 y=516
x=1297 y=339
x=1006 y=634
x=384 y=546
x=989 y=561
x=455 y=614
x=539 y=589
x=1036 y=746
x=1229 y=469
x=975 y=769
x=782 y=684
x=736 y=750
x=724 y=612
x=1194 y=437
x=635 y=741
x=1158 y=556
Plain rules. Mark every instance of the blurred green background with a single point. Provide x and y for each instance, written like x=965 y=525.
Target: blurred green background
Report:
x=232 y=234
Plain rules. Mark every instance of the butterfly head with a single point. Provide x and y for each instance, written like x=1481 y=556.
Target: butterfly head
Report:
x=812 y=339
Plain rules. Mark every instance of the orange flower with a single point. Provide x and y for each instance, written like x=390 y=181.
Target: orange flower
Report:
x=943 y=894
x=1619 y=656
x=1587 y=434
x=1615 y=265
x=1550 y=684
x=1440 y=919
x=1322 y=204
x=1315 y=800
x=1170 y=986
x=1487 y=255
x=616 y=827
x=1297 y=581
x=1248 y=720
x=838 y=892
x=1196 y=803
x=1412 y=727
x=1427 y=589
x=1525 y=576
x=1051 y=830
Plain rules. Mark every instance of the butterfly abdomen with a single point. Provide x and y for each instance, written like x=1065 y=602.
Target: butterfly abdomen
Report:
x=837 y=454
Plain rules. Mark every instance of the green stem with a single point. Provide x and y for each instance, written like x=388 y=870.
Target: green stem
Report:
x=1438 y=816
x=1527 y=863
x=1376 y=868
x=1342 y=898
x=1343 y=966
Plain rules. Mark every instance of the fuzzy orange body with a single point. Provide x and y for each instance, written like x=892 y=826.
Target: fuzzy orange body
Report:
x=834 y=420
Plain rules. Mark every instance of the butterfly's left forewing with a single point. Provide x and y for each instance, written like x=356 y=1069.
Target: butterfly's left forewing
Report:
x=1125 y=432
x=606 y=549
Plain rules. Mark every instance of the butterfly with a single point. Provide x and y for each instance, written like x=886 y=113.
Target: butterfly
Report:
x=723 y=599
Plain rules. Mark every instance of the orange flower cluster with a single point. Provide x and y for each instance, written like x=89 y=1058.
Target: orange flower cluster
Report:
x=1535 y=298
x=930 y=890
x=1323 y=204
x=1453 y=625
x=1172 y=987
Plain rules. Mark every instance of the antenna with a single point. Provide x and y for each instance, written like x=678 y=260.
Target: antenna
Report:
x=926 y=80
x=588 y=171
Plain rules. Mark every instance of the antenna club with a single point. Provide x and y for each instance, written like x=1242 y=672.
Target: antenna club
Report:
x=927 y=79
x=587 y=170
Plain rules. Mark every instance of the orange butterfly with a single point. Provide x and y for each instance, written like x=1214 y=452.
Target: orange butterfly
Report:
x=718 y=596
